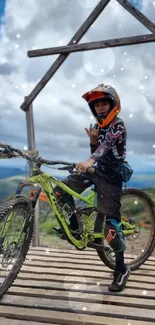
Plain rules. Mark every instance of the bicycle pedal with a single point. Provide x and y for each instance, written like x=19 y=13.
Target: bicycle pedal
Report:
x=96 y=246
x=63 y=237
x=58 y=230
x=107 y=249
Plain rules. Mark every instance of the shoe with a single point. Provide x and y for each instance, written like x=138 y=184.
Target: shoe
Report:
x=119 y=280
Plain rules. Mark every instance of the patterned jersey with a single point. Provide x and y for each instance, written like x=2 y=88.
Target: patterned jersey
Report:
x=110 y=150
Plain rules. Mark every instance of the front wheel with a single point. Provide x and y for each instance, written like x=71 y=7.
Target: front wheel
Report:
x=137 y=208
x=16 y=229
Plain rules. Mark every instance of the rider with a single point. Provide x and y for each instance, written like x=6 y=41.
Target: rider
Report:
x=108 y=152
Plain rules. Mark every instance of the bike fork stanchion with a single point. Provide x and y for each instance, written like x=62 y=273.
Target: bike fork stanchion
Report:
x=31 y=146
x=36 y=237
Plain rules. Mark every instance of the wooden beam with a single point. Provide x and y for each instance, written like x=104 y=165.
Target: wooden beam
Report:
x=140 y=39
x=137 y=14
x=75 y=39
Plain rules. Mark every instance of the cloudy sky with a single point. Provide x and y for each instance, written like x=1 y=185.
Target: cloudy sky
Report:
x=60 y=113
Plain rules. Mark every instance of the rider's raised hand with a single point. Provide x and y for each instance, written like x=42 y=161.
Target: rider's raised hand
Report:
x=93 y=134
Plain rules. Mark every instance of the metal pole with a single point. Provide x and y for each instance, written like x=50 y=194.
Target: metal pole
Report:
x=31 y=146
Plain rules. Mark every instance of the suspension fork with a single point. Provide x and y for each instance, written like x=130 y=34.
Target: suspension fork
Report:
x=38 y=189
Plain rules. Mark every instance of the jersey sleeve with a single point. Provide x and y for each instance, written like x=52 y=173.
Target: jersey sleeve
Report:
x=93 y=147
x=117 y=132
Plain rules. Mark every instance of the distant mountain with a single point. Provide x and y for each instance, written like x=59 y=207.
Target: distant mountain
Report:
x=6 y=172
x=10 y=177
x=142 y=180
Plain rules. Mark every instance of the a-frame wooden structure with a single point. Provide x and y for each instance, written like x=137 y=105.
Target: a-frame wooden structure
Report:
x=73 y=46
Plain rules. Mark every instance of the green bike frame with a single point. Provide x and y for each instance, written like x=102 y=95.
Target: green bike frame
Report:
x=42 y=181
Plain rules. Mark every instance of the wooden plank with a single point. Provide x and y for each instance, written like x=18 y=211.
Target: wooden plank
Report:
x=70 y=284
x=81 y=255
x=74 y=276
x=61 y=58
x=91 y=259
x=71 y=259
x=8 y=321
x=104 y=275
x=101 y=309
x=47 y=283
x=85 y=269
x=118 y=42
x=91 y=254
x=137 y=14
x=64 y=317
x=90 y=287
x=72 y=251
x=80 y=277
x=93 y=293
x=85 y=265
x=85 y=299
x=69 y=279
x=94 y=258
x=68 y=292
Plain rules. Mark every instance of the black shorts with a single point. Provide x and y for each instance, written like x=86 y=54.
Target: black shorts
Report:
x=108 y=191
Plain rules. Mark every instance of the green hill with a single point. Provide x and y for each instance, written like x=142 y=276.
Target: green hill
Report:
x=6 y=172
x=8 y=186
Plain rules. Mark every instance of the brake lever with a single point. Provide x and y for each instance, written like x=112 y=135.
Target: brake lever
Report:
x=69 y=168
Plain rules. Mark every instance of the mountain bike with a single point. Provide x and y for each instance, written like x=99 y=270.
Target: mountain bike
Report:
x=138 y=220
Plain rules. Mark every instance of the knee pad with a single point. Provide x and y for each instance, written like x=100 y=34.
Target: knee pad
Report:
x=114 y=236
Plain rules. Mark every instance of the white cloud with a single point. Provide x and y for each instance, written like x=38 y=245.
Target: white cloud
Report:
x=59 y=111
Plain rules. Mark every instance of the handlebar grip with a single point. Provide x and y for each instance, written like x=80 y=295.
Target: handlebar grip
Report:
x=91 y=170
x=3 y=145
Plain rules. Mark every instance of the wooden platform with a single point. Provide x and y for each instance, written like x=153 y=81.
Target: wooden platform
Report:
x=61 y=287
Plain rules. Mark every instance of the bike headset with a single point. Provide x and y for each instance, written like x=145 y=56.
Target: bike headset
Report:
x=106 y=93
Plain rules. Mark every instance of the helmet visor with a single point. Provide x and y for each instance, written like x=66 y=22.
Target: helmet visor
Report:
x=93 y=95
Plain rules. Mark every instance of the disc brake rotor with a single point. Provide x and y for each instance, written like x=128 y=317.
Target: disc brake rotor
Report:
x=9 y=254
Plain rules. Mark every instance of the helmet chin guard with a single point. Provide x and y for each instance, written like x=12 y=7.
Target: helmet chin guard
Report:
x=107 y=93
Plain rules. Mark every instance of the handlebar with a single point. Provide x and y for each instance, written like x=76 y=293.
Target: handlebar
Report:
x=70 y=168
x=9 y=153
x=33 y=156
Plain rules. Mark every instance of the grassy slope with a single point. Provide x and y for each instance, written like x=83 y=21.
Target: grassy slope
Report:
x=8 y=186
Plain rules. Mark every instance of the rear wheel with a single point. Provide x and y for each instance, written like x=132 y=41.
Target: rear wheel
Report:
x=137 y=208
x=16 y=229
